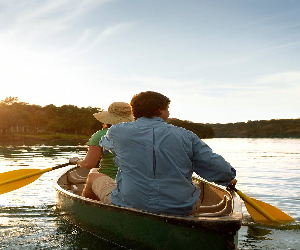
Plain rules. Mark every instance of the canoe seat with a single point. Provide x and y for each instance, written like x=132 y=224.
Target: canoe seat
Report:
x=222 y=209
x=75 y=177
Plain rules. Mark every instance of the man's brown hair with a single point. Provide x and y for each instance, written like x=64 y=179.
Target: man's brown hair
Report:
x=147 y=104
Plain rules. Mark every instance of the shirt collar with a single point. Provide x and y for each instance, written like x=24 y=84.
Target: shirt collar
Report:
x=151 y=120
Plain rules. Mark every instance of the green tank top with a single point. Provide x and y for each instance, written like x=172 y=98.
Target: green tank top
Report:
x=107 y=165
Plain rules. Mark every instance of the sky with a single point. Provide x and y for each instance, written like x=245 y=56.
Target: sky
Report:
x=218 y=61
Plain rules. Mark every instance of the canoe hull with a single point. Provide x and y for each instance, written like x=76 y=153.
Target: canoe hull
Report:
x=141 y=230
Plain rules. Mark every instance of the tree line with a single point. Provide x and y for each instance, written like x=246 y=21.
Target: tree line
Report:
x=281 y=128
x=20 y=117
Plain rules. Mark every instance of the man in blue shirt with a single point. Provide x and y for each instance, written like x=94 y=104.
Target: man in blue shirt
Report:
x=156 y=160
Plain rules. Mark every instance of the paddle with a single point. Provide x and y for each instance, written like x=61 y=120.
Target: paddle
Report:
x=15 y=179
x=262 y=212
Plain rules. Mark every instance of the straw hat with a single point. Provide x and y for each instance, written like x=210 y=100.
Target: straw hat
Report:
x=117 y=112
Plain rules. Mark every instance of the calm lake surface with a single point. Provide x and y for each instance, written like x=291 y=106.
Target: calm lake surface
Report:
x=267 y=169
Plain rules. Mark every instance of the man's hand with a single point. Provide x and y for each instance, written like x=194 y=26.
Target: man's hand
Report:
x=233 y=182
x=231 y=185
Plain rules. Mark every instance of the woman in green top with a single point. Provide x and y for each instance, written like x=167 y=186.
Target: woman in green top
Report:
x=117 y=112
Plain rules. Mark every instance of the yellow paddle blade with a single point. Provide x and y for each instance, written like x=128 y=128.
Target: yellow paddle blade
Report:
x=271 y=210
x=15 y=179
x=261 y=211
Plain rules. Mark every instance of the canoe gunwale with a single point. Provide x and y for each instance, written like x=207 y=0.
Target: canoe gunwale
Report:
x=225 y=225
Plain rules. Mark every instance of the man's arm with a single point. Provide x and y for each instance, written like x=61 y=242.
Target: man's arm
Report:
x=209 y=165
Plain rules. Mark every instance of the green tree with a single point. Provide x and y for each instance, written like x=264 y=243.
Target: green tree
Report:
x=201 y=130
x=10 y=100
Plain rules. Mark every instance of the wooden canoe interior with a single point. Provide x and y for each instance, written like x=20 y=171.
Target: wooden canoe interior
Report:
x=216 y=201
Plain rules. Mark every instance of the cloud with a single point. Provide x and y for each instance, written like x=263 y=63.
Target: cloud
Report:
x=89 y=39
x=290 y=45
x=280 y=80
x=28 y=11
x=167 y=83
x=110 y=32
x=34 y=20
x=35 y=42
x=210 y=68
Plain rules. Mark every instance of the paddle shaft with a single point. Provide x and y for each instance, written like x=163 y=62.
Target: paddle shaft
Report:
x=252 y=203
x=38 y=172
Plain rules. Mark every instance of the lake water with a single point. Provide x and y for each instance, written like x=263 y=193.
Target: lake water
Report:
x=267 y=169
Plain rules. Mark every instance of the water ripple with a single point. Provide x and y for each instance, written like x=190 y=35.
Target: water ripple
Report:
x=267 y=170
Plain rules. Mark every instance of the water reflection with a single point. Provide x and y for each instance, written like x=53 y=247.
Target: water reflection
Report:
x=257 y=233
x=254 y=237
x=73 y=237
x=268 y=170
x=33 y=143
x=26 y=152
x=37 y=156
x=32 y=228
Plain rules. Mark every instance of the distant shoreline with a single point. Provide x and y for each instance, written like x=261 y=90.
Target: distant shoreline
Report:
x=20 y=121
x=42 y=137
x=285 y=128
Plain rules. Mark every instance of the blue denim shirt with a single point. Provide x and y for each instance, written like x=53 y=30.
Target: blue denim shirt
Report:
x=155 y=163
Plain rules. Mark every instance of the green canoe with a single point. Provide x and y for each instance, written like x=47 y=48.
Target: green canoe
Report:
x=215 y=227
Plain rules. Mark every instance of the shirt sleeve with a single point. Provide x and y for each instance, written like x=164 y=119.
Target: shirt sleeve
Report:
x=210 y=165
x=95 y=138
x=93 y=141
x=106 y=143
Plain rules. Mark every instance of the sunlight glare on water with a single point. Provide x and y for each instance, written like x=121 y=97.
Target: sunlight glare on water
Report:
x=267 y=169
